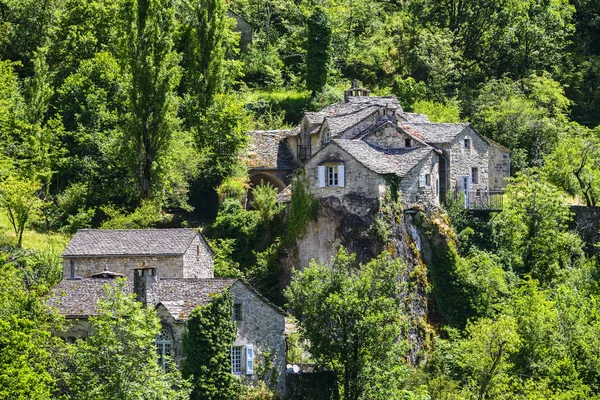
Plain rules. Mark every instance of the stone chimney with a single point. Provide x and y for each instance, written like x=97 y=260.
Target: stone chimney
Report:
x=144 y=278
x=355 y=91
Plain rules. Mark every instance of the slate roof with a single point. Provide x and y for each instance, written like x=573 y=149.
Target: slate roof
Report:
x=268 y=150
x=341 y=122
x=130 y=242
x=78 y=298
x=435 y=132
x=384 y=161
x=414 y=117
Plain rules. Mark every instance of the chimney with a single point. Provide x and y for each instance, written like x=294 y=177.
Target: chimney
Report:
x=143 y=279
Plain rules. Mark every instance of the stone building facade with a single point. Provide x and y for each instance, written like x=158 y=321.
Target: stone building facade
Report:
x=178 y=253
x=166 y=281
x=376 y=134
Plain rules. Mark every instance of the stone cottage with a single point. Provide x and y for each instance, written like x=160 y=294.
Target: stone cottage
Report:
x=177 y=253
x=357 y=146
x=168 y=287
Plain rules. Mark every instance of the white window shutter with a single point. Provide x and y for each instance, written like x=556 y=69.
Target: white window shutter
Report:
x=249 y=359
x=341 y=181
x=321 y=176
x=421 y=180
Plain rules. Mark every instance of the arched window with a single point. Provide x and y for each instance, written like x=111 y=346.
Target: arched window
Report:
x=163 y=346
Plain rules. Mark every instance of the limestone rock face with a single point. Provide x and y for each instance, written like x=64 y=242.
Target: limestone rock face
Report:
x=335 y=225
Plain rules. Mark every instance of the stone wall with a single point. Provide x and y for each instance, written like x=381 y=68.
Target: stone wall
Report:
x=167 y=266
x=197 y=260
x=359 y=180
x=410 y=188
x=499 y=167
x=461 y=160
x=388 y=136
x=75 y=328
x=262 y=326
x=177 y=330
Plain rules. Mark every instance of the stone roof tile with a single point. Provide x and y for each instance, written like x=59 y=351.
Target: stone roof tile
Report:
x=129 y=242
x=385 y=161
x=434 y=132
x=269 y=150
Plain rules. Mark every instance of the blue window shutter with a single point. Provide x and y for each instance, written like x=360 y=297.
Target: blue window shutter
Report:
x=249 y=359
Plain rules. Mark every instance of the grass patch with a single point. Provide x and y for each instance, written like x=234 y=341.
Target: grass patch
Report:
x=292 y=103
x=34 y=240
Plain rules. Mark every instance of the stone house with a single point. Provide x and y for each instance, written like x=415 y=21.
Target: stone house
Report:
x=178 y=253
x=174 y=294
x=356 y=146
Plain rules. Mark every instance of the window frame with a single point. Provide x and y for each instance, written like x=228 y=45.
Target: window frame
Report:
x=332 y=176
x=164 y=346
x=237 y=312
x=236 y=359
x=474 y=175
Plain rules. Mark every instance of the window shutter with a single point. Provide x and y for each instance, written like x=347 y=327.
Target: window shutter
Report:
x=249 y=359
x=421 y=180
x=341 y=181
x=321 y=176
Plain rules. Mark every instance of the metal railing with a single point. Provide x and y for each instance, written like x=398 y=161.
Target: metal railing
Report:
x=484 y=200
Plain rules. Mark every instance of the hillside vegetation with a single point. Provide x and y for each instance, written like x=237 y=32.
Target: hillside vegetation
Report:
x=122 y=114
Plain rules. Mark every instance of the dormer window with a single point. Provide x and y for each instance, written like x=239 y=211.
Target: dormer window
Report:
x=326 y=136
x=407 y=142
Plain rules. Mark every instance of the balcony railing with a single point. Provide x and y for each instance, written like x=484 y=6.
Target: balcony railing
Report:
x=482 y=199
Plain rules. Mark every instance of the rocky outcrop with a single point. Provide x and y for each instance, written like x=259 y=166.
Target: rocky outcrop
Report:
x=366 y=235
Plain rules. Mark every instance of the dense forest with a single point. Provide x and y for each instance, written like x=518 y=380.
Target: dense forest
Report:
x=120 y=114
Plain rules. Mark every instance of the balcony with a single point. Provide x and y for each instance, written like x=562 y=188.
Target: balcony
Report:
x=482 y=200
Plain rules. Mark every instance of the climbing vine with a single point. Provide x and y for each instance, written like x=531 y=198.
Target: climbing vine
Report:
x=303 y=208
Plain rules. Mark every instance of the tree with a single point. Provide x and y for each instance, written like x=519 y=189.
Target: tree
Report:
x=26 y=347
x=207 y=348
x=533 y=229
x=318 y=51
x=265 y=202
x=152 y=63
x=118 y=360
x=487 y=350
x=352 y=319
x=575 y=164
x=18 y=195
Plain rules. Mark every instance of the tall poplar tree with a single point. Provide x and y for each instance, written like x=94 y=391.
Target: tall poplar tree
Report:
x=153 y=65
x=318 y=52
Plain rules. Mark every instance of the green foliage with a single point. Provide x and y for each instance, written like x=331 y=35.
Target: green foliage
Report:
x=303 y=208
x=438 y=112
x=225 y=266
x=351 y=317
x=265 y=203
x=148 y=215
x=19 y=197
x=486 y=352
x=533 y=229
x=118 y=360
x=207 y=348
x=148 y=55
x=318 y=52
x=574 y=164
x=27 y=361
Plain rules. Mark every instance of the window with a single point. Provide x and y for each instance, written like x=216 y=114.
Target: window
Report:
x=474 y=175
x=467 y=143
x=331 y=175
x=163 y=346
x=237 y=312
x=72 y=264
x=198 y=251
x=427 y=179
x=407 y=142
x=424 y=180
x=326 y=136
x=236 y=360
